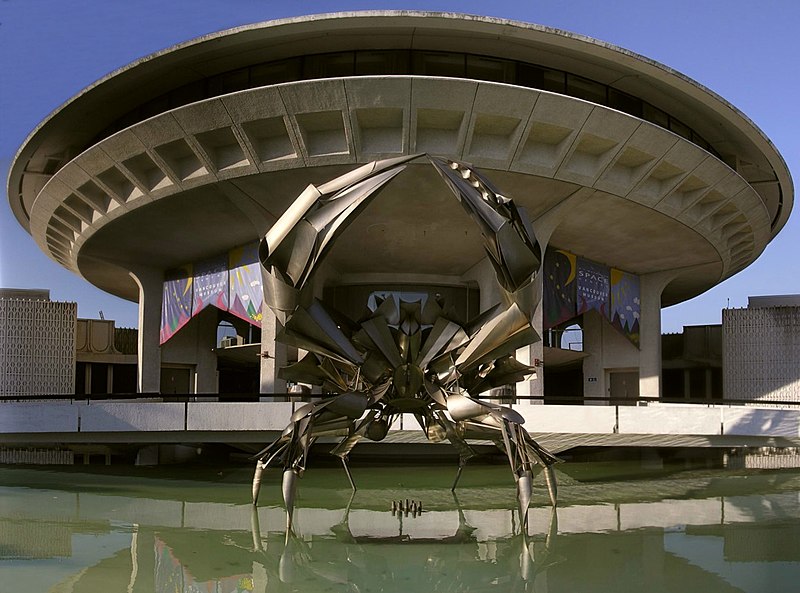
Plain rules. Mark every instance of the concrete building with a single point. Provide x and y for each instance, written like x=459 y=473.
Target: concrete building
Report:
x=761 y=349
x=37 y=344
x=645 y=188
x=46 y=350
x=105 y=358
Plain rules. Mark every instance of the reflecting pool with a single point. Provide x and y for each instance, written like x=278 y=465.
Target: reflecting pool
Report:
x=619 y=527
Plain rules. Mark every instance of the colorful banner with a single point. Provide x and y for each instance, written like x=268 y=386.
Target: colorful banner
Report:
x=230 y=282
x=593 y=287
x=246 y=289
x=211 y=284
x=625 y=304
x=560 y=270
x=176 y=301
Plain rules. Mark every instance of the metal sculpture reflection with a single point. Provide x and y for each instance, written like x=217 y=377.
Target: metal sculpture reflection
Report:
x=445 y=556
x=403 y=357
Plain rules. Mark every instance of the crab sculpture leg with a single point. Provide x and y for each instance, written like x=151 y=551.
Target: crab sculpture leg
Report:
x=403 y=357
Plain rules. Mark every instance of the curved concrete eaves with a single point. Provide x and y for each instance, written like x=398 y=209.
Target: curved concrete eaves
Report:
x=218 y=172
x=732 y=134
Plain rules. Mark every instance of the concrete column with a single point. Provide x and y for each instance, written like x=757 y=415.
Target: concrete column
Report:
x=88 y=378
x=148 y=375
x=651 y=286
x=534 y=352
x=273 y=356
x=594 y=365
x=109 y=379
x=206 y=369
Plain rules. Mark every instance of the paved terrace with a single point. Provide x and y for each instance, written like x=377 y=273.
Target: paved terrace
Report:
x=558 y=427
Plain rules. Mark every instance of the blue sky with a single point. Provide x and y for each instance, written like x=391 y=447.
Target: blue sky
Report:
x=745 y=51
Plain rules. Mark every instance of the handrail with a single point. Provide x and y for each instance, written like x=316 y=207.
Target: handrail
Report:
x=296 y=397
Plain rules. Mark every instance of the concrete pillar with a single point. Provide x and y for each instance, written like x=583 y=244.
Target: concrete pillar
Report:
x=273 y=356
x=533 y=354
x=651 y=286
x=594 y=365
x=148 y=375
x=109 y=379
x=88 y=378
x=206 y=358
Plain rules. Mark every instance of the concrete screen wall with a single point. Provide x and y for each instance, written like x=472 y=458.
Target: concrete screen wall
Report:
x=761 y=353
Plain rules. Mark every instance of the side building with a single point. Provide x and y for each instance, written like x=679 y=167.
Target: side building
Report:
x=691 y=364
x=761 y=349
x=37 y=344
x=45 y=350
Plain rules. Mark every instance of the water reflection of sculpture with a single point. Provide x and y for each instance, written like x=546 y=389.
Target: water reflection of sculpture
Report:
x=447 y=561
x=404 y=357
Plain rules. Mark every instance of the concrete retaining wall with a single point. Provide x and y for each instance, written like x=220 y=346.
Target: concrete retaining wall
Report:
x=238 y=416
x=136 y=417
x=669 y=419
x=43 y=417
x=592 y=419
x=39 y=417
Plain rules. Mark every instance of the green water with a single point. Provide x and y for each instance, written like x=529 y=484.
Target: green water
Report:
x=619 y=527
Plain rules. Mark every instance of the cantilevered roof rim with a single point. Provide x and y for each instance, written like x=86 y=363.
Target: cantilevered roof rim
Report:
x=425 y=18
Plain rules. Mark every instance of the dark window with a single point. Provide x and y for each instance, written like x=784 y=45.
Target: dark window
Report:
x=80 y=378
x=673 y=384
x=700 y=142
x=530 y=76
x=329 y=65
x=716 y=383
x=276 y=72
x=236 y=80
x=188 y=93
x=480 y=68
x=680 y=129
x=554 y=80
x=376 y=63
x=654 y=115
x=124 y=378
x=439 y=64
x=697 y=383
x=99 y=377
x=586 y=89
x=624 y=102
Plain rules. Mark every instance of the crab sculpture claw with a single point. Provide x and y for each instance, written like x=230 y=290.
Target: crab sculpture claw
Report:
x=403 y=357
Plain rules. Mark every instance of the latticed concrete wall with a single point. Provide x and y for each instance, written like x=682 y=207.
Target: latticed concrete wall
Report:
x=761 y=353
x=37 y=347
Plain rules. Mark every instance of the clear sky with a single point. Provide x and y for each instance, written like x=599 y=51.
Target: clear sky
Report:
x=745 y=51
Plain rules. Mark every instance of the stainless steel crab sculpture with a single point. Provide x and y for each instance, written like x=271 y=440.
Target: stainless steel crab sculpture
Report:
x=404 y=357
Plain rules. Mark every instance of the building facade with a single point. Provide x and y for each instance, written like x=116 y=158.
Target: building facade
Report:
x=45 y=349
x=761 y=349
x=692 y=366
x=37 y=344
x=643 y=187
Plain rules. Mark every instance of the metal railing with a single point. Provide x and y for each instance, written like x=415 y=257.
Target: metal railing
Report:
x=297 y=397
